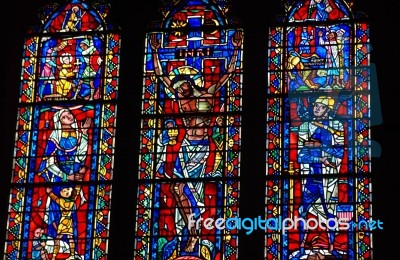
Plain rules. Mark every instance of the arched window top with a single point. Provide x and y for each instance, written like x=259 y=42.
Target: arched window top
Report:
x=211 y=14
x=76 y=15
x=67 y=110
x=319 y=84
x=190 y=133
x=318 y=10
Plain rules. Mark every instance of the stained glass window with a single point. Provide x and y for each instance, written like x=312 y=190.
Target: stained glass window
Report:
x=190 y=136
x=318 y=138
x=59 y=205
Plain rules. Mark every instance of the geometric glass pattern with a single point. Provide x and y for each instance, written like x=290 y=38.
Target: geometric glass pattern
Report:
x=190 y=133
x=59 y=206
x=318 y=137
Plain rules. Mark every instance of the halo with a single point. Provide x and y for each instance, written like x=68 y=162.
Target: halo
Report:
x=186 y=72
x=75 y=7
x=66 y=54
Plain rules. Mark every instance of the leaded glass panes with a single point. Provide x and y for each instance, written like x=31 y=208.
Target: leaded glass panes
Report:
x=190 y=135
x=318 y=139
x=59 y=205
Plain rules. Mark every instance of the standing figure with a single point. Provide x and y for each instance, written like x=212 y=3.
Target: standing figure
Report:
x=320 y=153
x=332 y=62
x=168 y=136
x=66 y=150
x=193 y=153
x=342 y=49
x=64 y=159
x=66 y=225
x=92 y=60
x=47 y=73
x=218 y=135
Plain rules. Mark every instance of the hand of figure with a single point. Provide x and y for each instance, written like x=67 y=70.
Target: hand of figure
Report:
x=86 y=125
x=154 y=42
x=237 y=39
x=48 y=189
x=191 y=163
x=75 y=177
x=61 y=46
x=328 y=9
x=82 y=170
x=325 y=161
x=312 y=143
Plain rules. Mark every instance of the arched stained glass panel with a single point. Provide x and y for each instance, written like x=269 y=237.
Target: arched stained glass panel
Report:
x=318 y=139
x=318 y=10
x=190 y=137
x=63 y=157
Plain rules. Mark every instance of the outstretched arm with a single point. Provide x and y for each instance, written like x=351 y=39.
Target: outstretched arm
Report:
x=155 y=45
x=237 y=41
x=54 y=197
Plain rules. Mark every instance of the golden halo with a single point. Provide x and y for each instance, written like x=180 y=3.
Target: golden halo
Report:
x=184 y=72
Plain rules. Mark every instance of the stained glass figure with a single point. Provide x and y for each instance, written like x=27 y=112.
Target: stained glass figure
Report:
x=190 y=139
x=318 y=140
x=63 y=158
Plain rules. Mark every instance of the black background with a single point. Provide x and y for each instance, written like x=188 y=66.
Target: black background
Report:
x=133 y=16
